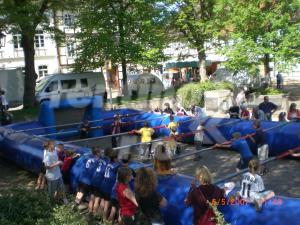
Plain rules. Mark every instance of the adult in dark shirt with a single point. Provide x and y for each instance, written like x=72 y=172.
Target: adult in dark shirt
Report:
x=198 y=197
x=168 y=109
x=279 y=80
x=234 y=112
x=268 y=108
x=116 y=129
x=150 y=201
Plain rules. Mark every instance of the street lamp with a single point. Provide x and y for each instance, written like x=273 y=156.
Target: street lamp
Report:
x=2 y=40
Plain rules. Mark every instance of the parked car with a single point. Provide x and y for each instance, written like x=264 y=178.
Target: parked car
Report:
x=72 y=85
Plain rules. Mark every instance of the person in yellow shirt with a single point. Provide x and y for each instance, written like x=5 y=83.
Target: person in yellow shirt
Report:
x=146 y=133
x=172 y=126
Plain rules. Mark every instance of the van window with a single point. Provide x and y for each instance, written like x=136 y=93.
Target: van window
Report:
x=83 y=83
x=68 y=84
x=53 y=86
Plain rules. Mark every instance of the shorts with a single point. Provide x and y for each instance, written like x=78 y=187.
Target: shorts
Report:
x=84 y=188
x=55 y=185
x=66 y=177
x=263 y=152
x=114 y=202
x=43 y=168
x=243 y=163
x=96 y=191
x=105 y=196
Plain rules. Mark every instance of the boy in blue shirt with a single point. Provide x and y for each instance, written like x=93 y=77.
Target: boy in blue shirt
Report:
x=242 y=147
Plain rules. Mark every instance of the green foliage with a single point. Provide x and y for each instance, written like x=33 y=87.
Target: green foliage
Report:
x=194 y=93
x=260 y=28
x=271 y=91
x=27 y=207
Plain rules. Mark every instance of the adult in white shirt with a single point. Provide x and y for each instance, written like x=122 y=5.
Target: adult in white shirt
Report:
x=240 y=98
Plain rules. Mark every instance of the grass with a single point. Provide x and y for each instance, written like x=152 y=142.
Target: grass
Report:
x=25 y=114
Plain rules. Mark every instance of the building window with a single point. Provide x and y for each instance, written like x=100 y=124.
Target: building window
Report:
x=71 y=49
x=68 y=20
x=17 y=41
x=39 y=39
x=43 y=71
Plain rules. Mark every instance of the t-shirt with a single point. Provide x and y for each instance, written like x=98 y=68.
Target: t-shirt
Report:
x=245 y=113
x=173 y=127
x=169 y=111
x=234 y=112
x=52 y=173
x=67 y=164
x=127 y=208
x=267 y=107
x=99 y=171
x=146 y=133
x=149 y=204
x=260 y=137
x=250 y=185
x=110 y=176
x=242 y=147
x=240 y=98
x=200 y=134
x=88 y=170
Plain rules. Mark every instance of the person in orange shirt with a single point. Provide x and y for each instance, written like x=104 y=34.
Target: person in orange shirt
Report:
x=294 y=113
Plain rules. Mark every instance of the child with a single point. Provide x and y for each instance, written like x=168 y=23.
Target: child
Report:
x=66 y=167
x=245 y=114
x=198 y=197
x=126 y=198
x=198 y=139
x=97 y=179
x=252 y=187
x=282 y=117
x=41 y=178
x=262 y=146
x=108 y=182
x=146 y=133
x=85 y=129
x=241 y=146
x=172 y=126
x=60 y=152
x=53 y=174
x=85 y=178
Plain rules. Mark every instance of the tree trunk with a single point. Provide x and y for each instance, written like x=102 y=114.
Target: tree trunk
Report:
x=30 y=74
x=124 y=74
x=202 y=64
x=266 y=65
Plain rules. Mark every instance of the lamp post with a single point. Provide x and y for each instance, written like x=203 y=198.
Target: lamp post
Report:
x=2 y=40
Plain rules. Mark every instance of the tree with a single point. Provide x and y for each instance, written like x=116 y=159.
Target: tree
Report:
x=25 y=17
x=194 y=20
x=123 y=31
x=261 y=31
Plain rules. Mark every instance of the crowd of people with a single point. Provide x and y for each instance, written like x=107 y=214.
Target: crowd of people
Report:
x=264 y=111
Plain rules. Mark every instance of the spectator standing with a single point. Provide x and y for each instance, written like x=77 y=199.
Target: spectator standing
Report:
x=116 y=129
x=240 y=98
x=279 y=80
x=85 y=129
x=245 y=114
x=294 y=113
x=268 y=108
x=258 y=114
x=168 y=109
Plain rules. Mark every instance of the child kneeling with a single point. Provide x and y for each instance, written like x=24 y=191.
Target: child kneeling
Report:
x=252 y=186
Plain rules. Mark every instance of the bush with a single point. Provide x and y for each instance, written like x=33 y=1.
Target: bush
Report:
x=194 y=93
x=22 y=206
x=271 y=91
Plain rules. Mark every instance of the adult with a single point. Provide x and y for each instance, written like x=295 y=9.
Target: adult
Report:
x=116 y=129
x=85 y=129
x=258 y=114
x=293 y=113
x=240 y=98
x=279 y=80
x=149 y=200
x=168 y=109
x=198 y=197
x=245 y=114
x=3 y=101
x=268 y=108
x=198 y=112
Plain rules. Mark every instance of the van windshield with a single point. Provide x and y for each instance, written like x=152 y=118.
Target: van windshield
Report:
x=39 y=87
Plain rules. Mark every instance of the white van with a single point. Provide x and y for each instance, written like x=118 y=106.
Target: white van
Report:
x=72 y=85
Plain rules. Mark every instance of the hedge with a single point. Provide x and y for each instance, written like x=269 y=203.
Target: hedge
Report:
x=193 y=93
